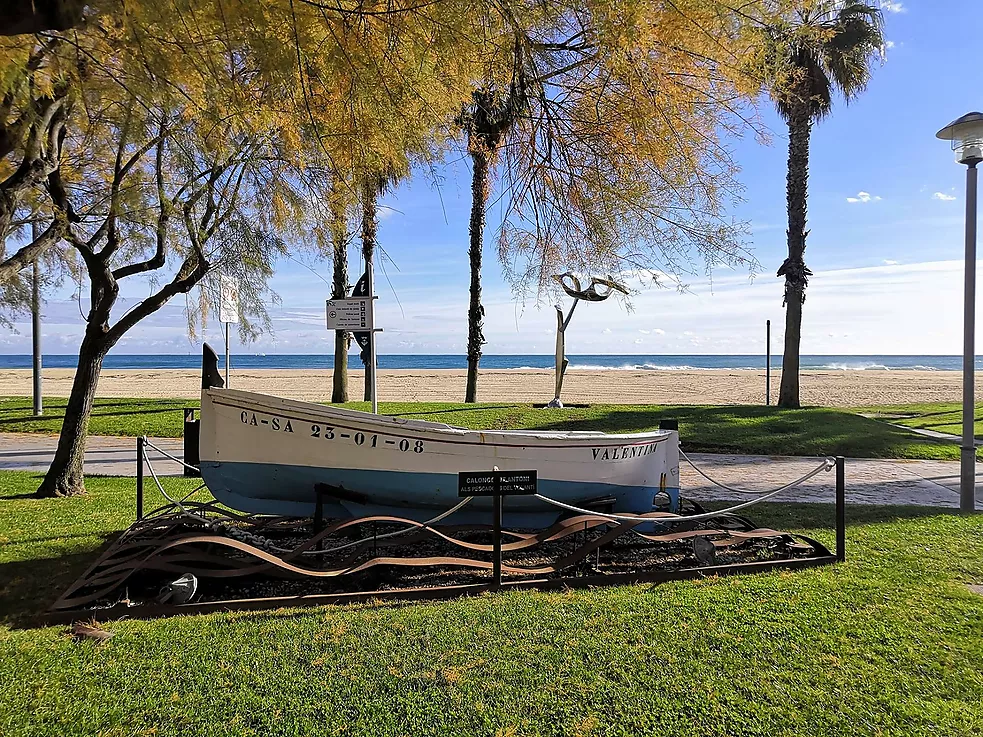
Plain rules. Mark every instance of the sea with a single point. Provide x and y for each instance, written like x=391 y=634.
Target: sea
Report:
x=605 y=362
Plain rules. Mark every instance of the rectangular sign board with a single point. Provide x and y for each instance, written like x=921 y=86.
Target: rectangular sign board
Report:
x=228 y=304
x=354 y=313
x=496 y=483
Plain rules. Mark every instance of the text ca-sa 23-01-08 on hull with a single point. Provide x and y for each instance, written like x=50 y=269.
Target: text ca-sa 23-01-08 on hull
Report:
x=264 y=454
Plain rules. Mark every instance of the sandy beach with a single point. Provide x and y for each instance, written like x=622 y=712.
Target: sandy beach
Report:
x=712 y=386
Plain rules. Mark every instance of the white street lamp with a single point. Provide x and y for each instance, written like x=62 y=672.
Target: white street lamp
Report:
x=966 y=135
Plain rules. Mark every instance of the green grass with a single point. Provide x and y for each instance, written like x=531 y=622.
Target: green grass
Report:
x=127 y=417
x=732 y=429
x=889 y=643
x=939 y=416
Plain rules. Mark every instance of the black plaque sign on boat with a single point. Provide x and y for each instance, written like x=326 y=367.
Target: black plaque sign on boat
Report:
x=496 y=483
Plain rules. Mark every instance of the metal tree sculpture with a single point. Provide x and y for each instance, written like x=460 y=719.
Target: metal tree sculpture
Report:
x=590 y=294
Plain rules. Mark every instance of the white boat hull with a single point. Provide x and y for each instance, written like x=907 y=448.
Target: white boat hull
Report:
x=264 y=454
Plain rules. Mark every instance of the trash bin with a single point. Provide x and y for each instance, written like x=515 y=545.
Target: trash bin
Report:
x=192 y=431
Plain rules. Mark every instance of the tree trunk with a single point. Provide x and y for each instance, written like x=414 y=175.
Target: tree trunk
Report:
x=65 y=475
x=339 y=290
x=370 y=193
x=794 y=269
x=479 y=197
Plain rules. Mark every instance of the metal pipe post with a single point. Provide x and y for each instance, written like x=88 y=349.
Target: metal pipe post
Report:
x=36 y=332
x=840 y=508
x=226 y=355
x=497 y=542
x=140 y=453
x=967 y=476
x=372 y=353
x=767 y=362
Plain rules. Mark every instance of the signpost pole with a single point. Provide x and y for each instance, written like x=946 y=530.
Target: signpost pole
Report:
x=372 y=355
x=767 y=362
x=226 y=355
x=36 y=338
x=36 y=327
x=228 y=312
x=497 y=542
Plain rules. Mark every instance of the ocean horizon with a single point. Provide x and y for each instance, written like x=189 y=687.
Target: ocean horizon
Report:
x=611 y=362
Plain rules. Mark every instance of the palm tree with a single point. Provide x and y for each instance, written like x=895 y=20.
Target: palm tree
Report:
x=374 y=185
x=826 y=45
x=487 y=120
x=339 y=288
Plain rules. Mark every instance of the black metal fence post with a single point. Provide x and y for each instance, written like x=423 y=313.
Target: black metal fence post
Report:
x=318 y=514
x=840 y=508
x=140 y=453
x=192 y=434
x=497 y=542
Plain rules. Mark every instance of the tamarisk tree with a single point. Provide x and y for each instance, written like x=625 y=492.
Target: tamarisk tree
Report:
x=618 y=165
x=36 y=99
x=175 y=205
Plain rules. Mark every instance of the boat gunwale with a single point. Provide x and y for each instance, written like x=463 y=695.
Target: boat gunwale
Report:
x=453 y=434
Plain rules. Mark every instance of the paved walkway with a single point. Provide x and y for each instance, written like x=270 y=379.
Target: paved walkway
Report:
x=868 y=481
x=104 y=456
x=926 y=483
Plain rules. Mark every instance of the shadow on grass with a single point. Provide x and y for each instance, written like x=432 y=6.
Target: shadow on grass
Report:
x=29 y=587
x=761 y=430
x=95 y=414
x=448 y=411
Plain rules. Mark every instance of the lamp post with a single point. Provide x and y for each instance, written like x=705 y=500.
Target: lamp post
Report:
x=966 y=136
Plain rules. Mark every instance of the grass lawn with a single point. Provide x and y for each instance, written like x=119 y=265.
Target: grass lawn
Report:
x=889 y=643
x=731 y=429
x=940 y=416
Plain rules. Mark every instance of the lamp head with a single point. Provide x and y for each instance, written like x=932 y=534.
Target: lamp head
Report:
x=966 y=136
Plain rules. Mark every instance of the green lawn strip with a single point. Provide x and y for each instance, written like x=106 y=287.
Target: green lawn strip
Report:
x=939 y=416
x=888 y=643
x=730 y=429
x=110 y=416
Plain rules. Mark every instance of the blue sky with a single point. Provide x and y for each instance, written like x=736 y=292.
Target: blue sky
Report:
x=886 y=210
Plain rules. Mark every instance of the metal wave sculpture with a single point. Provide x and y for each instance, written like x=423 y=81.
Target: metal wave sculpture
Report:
x=216 y=545
x=571 y=285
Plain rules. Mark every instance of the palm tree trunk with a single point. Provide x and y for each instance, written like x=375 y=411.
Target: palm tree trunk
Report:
x=479 y=197
x=794 y=269
x=370 y=194
x=65 y=475
x=339 y=290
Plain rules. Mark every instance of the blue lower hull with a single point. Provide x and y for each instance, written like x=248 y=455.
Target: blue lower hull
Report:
x=263 y=488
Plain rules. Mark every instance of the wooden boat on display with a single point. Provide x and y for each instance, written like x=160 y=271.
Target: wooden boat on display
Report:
x=264 y=454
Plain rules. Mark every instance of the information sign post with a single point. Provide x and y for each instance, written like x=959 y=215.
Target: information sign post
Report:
x=357 y=315
x=228 y=310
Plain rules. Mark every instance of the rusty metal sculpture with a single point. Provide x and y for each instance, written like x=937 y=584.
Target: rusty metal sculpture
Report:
x=347 y=557
x=590 y=294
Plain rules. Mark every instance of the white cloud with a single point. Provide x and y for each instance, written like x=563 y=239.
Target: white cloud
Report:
x=943 y=197
x=863 y=197
x=891 y=6
x=645 y=332
x=638 y=341
x=889 y=262
x=659 y=331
